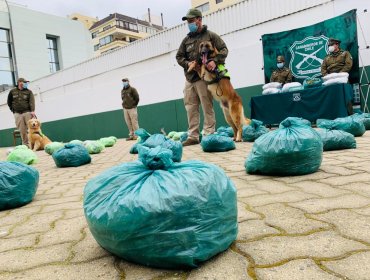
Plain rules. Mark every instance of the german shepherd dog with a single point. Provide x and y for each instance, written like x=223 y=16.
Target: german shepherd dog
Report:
x=222 y=90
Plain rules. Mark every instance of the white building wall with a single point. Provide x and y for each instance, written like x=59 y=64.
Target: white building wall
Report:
x=29 y=32
x=94 y=86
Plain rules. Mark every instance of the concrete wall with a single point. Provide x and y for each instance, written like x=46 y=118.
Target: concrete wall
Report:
x=29 y=32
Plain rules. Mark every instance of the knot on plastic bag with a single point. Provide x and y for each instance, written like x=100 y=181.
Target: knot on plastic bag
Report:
x=286 y=123
x=156 y=158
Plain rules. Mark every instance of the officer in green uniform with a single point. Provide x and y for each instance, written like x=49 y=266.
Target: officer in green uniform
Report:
x=130 y=100
x=282 y=74
x=337 y=60
x=22 y=103
x=196 y=93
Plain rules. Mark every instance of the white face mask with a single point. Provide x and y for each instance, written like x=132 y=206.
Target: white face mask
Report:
x=331 y=49
x=280 y=65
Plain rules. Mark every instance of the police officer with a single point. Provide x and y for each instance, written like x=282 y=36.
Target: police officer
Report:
x=130 y=100
x=282 y=74
x=195 y=92
x=337 y=60
x=22 y=103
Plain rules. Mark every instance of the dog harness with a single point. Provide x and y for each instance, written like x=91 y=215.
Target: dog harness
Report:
x=221 y=73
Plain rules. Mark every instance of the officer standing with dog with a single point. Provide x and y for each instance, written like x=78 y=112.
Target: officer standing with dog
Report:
x=196 y=93
x=22 y=103
x=337 y=60
x=282 y=74
x=130 y=100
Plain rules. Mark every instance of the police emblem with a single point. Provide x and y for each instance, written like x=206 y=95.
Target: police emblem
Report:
x=296 y=97
x=307 y=56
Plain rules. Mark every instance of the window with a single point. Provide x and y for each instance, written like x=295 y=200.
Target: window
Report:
x=127 y=25
x=132 y=39
x=219 y=1
x=96 y=47
x=105 y=40
x=7 y=78
x=94 y=34
x=204 y=7
x=52 y=47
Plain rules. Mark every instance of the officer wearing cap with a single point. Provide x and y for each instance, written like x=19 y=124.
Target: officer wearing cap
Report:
x=22 y=103
x=282 y=74
x=337 y=60
x=195 y=92
x=130 y=100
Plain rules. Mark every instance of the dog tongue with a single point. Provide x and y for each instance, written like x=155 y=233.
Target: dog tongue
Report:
x=204 y=58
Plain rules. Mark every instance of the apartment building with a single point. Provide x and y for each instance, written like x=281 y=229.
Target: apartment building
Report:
x=117 y=30
x=209 y=6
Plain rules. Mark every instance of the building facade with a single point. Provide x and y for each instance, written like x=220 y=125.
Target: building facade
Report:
x=90 y=91
x=35 y=44
x=209 y=6
x=117 y=30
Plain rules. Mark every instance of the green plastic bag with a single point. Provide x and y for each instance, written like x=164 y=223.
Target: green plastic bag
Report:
x=94 y=147
x=108 y=141
x=254 y=130
x=162 y=214
x=336 y=139
x=177 y=136
x=348 y=124
x=293 y=149
x=72 y=155
x=18 y=184
x=78 y=142
x=53 y=146
x=217 y=143
x=225 y=131
x=22 y=154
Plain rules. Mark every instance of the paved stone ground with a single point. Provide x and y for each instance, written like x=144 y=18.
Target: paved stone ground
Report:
x=305 y=227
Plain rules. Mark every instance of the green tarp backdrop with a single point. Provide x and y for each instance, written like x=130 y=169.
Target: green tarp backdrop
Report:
x=305 y=48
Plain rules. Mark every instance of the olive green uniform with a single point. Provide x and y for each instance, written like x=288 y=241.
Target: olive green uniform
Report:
x=340 y=61
x=283 y=75
x=130 y=99
x=196 y=92
x=21 y=102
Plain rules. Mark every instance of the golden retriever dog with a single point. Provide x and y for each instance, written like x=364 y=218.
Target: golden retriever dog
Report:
x=222 y=90
x=37 y=140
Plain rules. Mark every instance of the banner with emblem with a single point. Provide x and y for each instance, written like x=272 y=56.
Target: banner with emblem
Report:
x=305 y=48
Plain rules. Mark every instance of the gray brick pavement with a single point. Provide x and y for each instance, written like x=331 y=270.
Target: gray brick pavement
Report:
x=305 y=227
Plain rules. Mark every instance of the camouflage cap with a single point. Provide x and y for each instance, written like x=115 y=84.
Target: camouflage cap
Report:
x=192 y=13
x=23 y=80
x=125 y=80
x=333 y=41
x=280 y=58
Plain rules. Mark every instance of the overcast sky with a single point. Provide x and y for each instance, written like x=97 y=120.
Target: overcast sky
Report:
x=172 y=10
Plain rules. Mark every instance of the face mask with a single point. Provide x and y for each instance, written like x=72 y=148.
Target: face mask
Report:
x=280 y=65
x=331 y=49
x=192 y=27
x=25 y=85
x=125 y=84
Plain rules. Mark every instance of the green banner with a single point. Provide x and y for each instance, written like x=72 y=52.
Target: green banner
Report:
x=305 y=48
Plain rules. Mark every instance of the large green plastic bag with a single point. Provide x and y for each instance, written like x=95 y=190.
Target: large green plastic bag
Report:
x=72 y=155
x=254 y=130
x=162 y=214
x=348 y=124
x=78 y=142
x=94 y=147
x=293 y=149
x=217 y=143
x=53 y=146
x=18 y=184
x=336 y=139
x=22 y=154
x=364 y=118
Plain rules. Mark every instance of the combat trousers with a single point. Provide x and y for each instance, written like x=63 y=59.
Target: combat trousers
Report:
x=131 y=119
x=21 y=123
x=196 y=94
